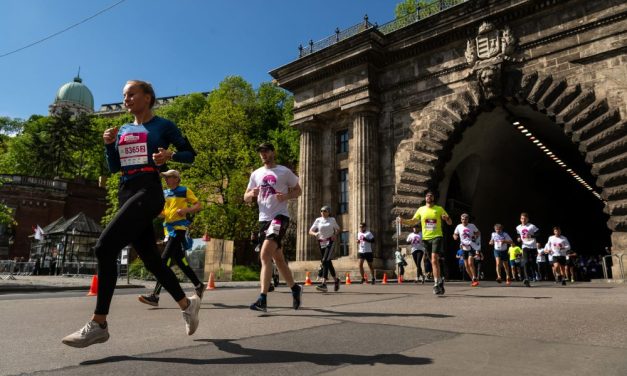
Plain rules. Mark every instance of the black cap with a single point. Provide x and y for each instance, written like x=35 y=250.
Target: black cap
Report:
x=265 y=146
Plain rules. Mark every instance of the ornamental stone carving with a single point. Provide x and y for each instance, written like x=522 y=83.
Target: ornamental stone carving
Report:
x=486 y=54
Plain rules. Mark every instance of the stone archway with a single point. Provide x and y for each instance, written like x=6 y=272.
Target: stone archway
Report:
x=587 y=121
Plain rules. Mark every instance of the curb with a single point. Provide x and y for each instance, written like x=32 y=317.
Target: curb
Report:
x=44 y=288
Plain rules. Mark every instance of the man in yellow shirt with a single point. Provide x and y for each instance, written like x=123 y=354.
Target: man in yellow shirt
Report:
x=179 y=201
x=515 y=257
x=430 y=217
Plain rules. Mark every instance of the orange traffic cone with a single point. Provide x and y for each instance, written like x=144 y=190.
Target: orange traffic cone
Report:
x=93 y=289
x=400 y=279
x=308 y=280
x=385 y=279
x=348 y=279
x=211 y=285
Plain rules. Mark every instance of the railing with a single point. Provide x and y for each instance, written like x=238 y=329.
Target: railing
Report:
x=422 y=12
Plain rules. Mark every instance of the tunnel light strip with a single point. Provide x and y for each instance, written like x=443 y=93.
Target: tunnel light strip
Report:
x=527 y=133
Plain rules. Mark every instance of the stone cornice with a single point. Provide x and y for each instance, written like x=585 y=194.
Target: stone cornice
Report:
x=333 y=98
x=575 y=30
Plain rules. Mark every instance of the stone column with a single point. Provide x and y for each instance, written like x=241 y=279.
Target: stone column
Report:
x=310 y=169
x=363 y=202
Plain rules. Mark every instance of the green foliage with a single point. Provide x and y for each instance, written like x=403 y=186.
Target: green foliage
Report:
x=137 y=270
x=406 y=10
x=245 y=273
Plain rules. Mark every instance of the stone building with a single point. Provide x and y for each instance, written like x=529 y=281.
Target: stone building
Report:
x=500 y=106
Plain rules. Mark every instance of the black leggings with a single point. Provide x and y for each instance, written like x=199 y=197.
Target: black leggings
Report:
x=327 y=261
x=141 y=200
x=528 y=262
x=417 y=256
x=174 y=250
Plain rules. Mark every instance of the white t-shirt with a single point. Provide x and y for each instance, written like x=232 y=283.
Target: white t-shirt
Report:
x=415 y=239
x=270 y=181
x=325 y=227
x=364 y=246
x=528 y=235
x=466 y=235
x=559 y=245
x=499 y=239
x=399 y=257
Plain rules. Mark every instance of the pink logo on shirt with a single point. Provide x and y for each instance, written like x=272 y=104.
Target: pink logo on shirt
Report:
x=267 y=186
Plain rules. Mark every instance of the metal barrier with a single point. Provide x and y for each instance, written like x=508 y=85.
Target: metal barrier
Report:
x=7 y=268
x=79 y=269
x=621 y=267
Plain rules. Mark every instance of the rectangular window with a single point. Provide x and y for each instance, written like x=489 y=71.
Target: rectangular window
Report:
x=343 y=187
x=342 y=141
x=344 y=241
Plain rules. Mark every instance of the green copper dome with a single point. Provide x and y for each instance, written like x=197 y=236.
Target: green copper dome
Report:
x=75 y=93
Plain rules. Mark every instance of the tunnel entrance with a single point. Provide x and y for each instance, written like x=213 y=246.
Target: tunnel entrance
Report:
x=512 y=160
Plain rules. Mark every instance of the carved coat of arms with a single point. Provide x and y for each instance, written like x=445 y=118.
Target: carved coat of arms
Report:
x=486 y=54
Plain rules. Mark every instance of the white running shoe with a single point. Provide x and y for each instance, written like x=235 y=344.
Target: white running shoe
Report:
x=88 y=335
x=190 y=314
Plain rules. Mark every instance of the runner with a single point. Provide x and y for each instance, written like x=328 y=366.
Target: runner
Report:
x=400 y=263
x=559 y=247
x=325 y=229
x=179 y=201
x=571 y=265
x=430 y=217
x=527 y=234
x=272 y=185
x=139 y=150
x=542 y=261
x=466 y=233
x=515 y=256
x=501 y=240
x=417 y=251
x=365 y=240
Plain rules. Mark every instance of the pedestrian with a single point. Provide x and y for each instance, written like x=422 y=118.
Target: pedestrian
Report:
x=272 y=185
x=527 y=234
x=417 y=251
x=400 y=263
x=466 y=233
x=559 y=247
x=139 y=150
x=430 y=217
x=501 y=241
x=365 y=239
x=325 y=229
x=179 y=202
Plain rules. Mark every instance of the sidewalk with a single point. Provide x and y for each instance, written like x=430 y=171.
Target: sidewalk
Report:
x=67 y=283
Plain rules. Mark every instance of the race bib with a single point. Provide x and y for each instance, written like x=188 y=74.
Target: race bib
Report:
x=133 y=149
x=431 y=224
x=274 y=228
x=498 y=244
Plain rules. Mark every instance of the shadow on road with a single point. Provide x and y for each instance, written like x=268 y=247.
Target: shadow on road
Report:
x=260 y=356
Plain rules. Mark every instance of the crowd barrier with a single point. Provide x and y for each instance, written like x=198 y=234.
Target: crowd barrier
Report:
x=621 y=268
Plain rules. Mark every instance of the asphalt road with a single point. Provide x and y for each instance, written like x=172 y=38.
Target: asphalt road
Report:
x=579 y=329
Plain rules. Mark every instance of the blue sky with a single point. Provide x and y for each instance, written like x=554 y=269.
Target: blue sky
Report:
x=180 y=46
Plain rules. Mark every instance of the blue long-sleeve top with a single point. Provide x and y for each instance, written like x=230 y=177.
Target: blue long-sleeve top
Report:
x=135 y=144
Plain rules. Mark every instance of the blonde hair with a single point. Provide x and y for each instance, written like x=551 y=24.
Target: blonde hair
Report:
x=146 y=88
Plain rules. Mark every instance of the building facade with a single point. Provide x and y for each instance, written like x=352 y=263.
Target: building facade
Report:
x=499 y=106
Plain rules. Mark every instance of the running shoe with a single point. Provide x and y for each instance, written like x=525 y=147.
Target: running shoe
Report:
x=572 y=280
x=499 y=280
x=297 y=297
x=436 y=289
x=259 y=305
x=190 y=315
x=563 y=282
x=474 y=283
x=322 y=288
x=151 y=299
x=526 y=283
x=336 y=284
x=422 y=280
x=199 y=290
x=88 y=335
x=373 y=280
x=441 y=284
x=508 y=281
